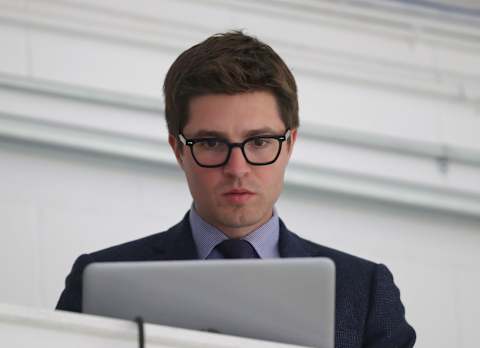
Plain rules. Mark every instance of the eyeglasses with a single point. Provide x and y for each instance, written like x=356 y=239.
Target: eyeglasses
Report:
x=214 y=152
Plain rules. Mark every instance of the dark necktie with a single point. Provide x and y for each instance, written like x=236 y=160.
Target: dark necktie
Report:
x=237 y=249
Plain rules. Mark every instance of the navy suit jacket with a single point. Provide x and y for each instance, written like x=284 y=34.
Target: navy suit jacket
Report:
x=368 y=310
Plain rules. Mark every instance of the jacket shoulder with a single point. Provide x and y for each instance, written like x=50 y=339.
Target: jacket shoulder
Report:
x=141 y=249
x=368 y=306
x=342 y=260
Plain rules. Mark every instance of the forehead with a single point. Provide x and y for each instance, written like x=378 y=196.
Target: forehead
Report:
x=236 y=115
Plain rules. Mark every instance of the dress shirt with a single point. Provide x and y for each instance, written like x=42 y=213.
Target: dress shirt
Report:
x=264 y=239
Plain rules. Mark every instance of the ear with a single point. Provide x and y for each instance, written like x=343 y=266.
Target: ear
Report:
x=291 y=141
x=177 y=149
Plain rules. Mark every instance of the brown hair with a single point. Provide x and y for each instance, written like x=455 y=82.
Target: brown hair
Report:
x=228 y=63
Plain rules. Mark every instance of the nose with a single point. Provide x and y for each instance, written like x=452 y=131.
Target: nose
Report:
x=237 y=165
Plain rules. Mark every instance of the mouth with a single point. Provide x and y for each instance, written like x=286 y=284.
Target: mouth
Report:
x=238 y=196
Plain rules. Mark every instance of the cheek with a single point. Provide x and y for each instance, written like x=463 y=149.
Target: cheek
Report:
x=272 y=180
x=280 y=174
x=202 y=182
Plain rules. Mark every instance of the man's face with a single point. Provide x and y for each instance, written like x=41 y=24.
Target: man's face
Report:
x=238 y=197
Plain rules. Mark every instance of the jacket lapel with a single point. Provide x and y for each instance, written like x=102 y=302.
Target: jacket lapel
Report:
x=291 y=245
x=178 y=243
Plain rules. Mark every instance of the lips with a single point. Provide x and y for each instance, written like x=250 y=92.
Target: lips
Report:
x=238 y=192
x=238 y=196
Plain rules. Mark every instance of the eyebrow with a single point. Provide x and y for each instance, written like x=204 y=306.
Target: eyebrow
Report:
x=254 y=132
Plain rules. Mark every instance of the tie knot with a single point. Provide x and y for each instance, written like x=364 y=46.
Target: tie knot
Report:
x=237 y=249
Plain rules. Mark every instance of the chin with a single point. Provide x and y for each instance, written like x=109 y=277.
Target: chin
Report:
x=242 y=217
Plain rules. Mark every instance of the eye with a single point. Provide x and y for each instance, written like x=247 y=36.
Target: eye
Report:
x=211 y=144
x=260 y=142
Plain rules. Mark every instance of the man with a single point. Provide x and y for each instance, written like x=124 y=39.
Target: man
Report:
x=232 y=115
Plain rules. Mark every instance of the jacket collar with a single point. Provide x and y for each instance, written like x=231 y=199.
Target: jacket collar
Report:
x=291 y=245
x=177 y=243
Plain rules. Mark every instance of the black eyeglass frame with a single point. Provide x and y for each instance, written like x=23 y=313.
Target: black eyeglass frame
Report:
x=191 y=142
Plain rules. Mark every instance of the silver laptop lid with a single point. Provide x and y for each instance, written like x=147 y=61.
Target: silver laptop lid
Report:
x=283 y=300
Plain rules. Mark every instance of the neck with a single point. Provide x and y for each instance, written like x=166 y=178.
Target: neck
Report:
x=238 y=232
x=235 y=230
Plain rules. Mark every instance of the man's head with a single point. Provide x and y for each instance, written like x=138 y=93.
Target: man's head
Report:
x=229 y=63
x=230 y=88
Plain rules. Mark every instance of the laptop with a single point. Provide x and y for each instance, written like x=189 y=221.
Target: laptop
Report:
x=288 y=300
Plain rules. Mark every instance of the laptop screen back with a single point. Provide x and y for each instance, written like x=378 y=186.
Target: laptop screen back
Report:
x=283 y=300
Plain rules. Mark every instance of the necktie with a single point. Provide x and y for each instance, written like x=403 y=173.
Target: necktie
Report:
x=237 y=249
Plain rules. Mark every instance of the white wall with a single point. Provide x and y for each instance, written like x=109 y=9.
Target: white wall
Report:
x=387 y=165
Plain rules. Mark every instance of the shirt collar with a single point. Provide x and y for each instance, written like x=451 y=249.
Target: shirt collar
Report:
x=264 y=239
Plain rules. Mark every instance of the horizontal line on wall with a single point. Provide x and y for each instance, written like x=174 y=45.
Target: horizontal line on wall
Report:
x=67 y=136
x=383 y=189
x=308 y=130
x=382 y=17
x=71 y=138
x=80 y=93
x=379 y=16
x=312 y=61
x=464 y=9
x=367 y=15
x=379 y=142
x=311 y=131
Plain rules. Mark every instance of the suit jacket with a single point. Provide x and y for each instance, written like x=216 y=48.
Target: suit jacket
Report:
x=368 y=310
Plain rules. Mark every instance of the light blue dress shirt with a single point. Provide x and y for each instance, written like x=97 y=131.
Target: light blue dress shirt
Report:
x=264 y=239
